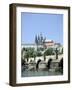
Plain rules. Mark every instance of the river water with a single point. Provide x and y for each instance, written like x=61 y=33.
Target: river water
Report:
x=39 y=73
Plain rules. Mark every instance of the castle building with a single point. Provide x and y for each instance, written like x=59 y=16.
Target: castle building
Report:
x=48 y=43
x=41 y=42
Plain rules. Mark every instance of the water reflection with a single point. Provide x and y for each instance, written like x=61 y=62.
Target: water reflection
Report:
x=28 y=73
x=42 y=68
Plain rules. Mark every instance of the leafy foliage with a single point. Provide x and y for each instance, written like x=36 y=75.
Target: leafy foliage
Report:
x=49 y=51
x=38 y=53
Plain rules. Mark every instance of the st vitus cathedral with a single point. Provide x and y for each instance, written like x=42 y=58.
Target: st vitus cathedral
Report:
x=39 y=39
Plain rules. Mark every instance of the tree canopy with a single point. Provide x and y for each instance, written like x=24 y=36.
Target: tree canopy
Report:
x=49 y=51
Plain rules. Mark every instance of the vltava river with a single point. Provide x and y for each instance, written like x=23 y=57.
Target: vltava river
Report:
x=39 y=73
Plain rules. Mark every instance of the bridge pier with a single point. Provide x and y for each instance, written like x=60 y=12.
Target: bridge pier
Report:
x=50 y=63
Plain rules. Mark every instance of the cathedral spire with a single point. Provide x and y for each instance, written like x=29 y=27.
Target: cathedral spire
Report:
x=36 y=40
x=39 y=39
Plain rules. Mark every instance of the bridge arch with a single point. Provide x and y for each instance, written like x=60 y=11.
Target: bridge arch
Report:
x=41 y=65
x=61 y=63
x=37 y=65
x=49 y=63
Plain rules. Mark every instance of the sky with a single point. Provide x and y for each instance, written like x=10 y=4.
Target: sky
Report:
x=50 y=25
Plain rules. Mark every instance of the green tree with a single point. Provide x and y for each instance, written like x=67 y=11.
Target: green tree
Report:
x=27 y=55
x=31 y=52
x=34 y=55
x=62 y=51
x=38 y=53
x=49 y=51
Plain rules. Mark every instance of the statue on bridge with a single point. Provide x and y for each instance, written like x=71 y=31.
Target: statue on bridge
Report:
x=56 y=51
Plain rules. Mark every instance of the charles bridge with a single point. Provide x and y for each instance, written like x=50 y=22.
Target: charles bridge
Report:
x=50 y=62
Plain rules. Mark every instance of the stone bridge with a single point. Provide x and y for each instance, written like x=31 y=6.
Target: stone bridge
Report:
x=50 y=62
x=53 y=57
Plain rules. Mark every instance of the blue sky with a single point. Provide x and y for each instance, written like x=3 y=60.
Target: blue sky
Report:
x=50 y=25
